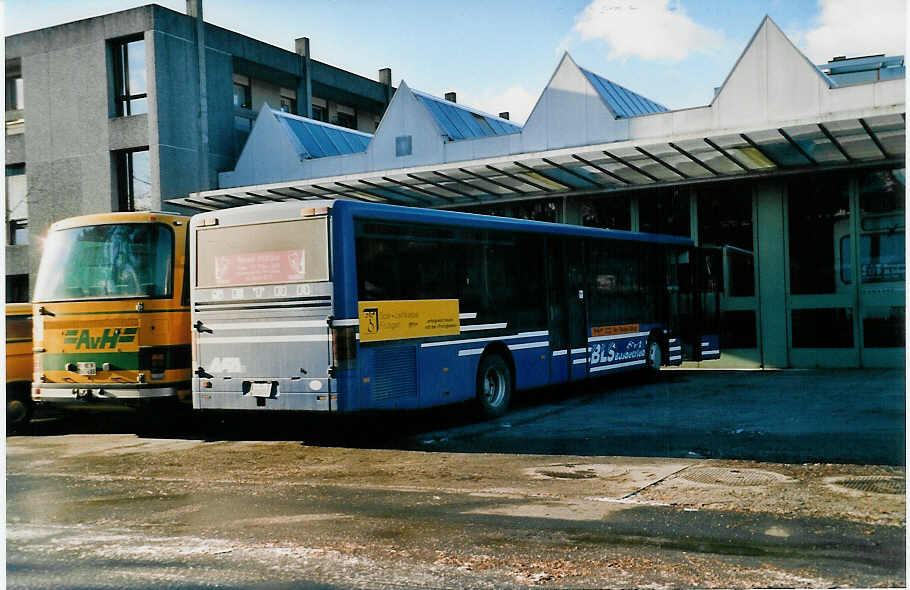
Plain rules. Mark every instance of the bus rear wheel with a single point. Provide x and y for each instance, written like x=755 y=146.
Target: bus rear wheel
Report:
x=494 y=385
x=18 y=408
x=654 y=355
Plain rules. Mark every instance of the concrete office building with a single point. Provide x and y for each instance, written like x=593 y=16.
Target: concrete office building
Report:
x=107 y=114
x=794 y=171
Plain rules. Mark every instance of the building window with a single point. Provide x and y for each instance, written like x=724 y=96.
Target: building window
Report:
x=819 y=219
x=16 y=204
x=319 y=113
x=134 y=185
x=725 y=219
x=15 y=100
x=243 y=96
x=16 y=288
x=403 y=146
x=346 y=117
x=288 y=101
x=130 y=83
x=609 y=211
x=664 y=212
x=242 y=128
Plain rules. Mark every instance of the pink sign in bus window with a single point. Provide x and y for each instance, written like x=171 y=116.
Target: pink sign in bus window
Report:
x=276 y=266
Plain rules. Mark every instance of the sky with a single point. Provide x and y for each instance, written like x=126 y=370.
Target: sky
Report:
x=498 y=55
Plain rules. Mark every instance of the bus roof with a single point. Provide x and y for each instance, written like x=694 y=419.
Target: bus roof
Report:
x=118 y=217
x=386 y=212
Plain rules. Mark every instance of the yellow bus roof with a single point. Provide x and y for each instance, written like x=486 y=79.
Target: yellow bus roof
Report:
x=119 y=217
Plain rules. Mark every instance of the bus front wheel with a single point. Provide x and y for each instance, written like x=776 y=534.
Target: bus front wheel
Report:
x=18 y=407
x=655 y=355
x=494 y=385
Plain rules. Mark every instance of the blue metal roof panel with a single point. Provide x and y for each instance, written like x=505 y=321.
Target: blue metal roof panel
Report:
x=622 y=101
x=461 y=122
x=319 y=140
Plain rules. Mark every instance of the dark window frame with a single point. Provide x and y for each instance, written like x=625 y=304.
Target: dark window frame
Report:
x=123 y=97
x=126 y=194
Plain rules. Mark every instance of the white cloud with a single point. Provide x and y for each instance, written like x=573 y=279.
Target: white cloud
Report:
x=846 y=27
x=649 y=29
x=515 y=99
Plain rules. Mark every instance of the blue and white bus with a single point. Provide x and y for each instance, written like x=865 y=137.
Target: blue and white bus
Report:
x=349 y=306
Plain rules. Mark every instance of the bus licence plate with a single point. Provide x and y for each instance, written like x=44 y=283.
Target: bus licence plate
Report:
x=87 y=369
x=261 y=389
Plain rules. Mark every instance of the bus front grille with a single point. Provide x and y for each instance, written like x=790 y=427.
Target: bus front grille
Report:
x=395 y=373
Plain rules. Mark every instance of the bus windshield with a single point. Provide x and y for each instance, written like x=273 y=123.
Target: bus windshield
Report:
x=110 y=261
x=263 y=253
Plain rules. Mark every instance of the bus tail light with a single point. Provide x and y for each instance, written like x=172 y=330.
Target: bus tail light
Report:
x=344 y=347
x=157 y=365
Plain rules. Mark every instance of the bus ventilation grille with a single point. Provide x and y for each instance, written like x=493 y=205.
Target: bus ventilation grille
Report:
x=395 y=373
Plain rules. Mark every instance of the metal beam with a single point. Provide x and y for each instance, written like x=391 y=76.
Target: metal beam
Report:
x=304 y=192
x=874 y=138
x=694 y=159
x=272 y=199
x=726 y=154
x=491 y=181
x=797 y=147
x=519 y=179
x=568 y=170
x=355 y=189
x=601 y=169
x=418 y=189
x=378 y=187
x=632 y=166
x=662 y=163
x=834 y=142
x=193 y=204
x=542 y=173
x=281 y=194
x=439 y=186
x=759 y=149
x=459 y=181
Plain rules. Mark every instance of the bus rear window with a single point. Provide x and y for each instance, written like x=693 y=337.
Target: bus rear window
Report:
x=110 y=261
x=263 y=253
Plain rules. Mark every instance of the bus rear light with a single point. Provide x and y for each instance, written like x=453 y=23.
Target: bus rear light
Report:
x=344 y=347
x=158 y=365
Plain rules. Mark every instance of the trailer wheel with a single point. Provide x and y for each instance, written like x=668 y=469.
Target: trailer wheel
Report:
x=494 y=385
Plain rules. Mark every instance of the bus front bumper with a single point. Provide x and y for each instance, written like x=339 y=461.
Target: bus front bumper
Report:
x=84 y=396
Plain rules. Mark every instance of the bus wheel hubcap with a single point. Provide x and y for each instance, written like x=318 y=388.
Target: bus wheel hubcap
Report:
x=494 y=386
x=15 y=411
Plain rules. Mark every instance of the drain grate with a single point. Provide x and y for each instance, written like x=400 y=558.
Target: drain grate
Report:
x=875 y=484
x=733 y=477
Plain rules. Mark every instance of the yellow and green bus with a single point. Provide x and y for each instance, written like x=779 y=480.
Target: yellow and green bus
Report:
x=18 y=364
x=111 y=312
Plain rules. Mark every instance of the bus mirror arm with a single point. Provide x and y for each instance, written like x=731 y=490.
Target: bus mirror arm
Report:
x=200 y=327
x=200 y=372
x=44 y=311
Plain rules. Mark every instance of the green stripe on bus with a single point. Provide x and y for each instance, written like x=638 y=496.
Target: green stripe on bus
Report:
x=15 y=340
x=176 y=357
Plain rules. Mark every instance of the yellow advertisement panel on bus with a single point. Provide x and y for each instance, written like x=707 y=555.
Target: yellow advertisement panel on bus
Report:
x=397 y=320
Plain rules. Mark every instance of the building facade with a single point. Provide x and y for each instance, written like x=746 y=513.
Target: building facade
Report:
x=794 y=172
x=108 y=114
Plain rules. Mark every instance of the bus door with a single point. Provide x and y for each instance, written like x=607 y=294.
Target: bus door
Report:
x=695 y=287
x=576 y=309
x=709 y=282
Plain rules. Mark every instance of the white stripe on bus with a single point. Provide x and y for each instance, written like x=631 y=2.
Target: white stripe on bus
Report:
x=676 y=358
x=484 y=327
x=350 y=322
x=616 y=366
x=580 y=361
x=470 y=351
x=705 y=344
x=287 y=338
x=710 y=352
x=490 y=339
x=264 y=325
x=528 y=345
x=560 y=352
x=675 y=348
x=616 y=336
x=579 y=350
x=468 y=315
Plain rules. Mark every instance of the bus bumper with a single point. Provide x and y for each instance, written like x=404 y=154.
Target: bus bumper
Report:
x=68 y=396
x=283 y=395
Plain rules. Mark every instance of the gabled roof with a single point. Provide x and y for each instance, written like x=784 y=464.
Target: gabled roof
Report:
x=622 y=101
x=461 y=122
x=315 y=139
